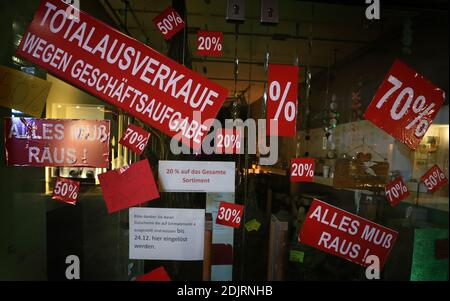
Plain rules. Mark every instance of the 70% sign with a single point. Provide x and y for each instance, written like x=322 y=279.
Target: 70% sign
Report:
x=434 y=179
x=396 y=191
x=229 y=214
x=405 y=105
x=282 y=100
x=66 y=190
x=135 y=138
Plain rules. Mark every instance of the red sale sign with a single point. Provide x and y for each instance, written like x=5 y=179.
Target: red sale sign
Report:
x=228 y=141
x=229 y=214
x=135 y=138
x=396 y=191
x=302 y=170
x=66 y=190
x=434 y=179
x=169 y=22
x=158 y=274
x=123 y=72
x=282 y=99
x=57 y=142
x=128 y=186
x=209 y=43
x=346 y=235
x=405 y=105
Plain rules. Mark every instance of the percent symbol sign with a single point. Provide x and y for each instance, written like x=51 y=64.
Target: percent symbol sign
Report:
x=275 y=95
x=419 y=108
x=236 y=218
x=216 y=43
x=141 y=142
x=72 y=193
x=174 y=18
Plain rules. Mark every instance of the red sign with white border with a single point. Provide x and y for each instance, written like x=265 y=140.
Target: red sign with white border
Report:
x=396 y=191
x=169 y=22
x=434 y=179
x=57 y=142
x=302 y=170
x=282 y=83
x=135 y=138
x=209 y=43
x=118 y=69
x=66 y=190
x=405 y=104
x=229 y=214
x=345 y=235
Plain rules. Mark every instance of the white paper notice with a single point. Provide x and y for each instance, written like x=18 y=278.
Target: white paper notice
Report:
x=196 y=176
x=167 y=234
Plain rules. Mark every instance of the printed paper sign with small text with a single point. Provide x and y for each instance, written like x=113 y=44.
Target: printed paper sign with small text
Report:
x=346 y=235
x=120 y=70
x=166 y=234
x=196 y=176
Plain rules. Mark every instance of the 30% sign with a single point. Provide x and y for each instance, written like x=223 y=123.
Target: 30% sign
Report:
x=229 y=214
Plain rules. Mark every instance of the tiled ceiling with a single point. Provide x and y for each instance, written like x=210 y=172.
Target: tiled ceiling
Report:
x=337 y=31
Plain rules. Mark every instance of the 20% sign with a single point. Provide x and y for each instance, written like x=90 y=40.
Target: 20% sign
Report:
x=229 y=214
x=302 y=170
x=66 y=190
x=209 y=43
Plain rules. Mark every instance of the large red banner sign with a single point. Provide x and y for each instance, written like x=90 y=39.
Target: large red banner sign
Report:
x=122 y=71
x=282 y=99
x=346 y=235
x=405 y=105
x=57 y=142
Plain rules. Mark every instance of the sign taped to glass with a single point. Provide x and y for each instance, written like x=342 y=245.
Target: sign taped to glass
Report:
x=57 y=142
x=120 y=70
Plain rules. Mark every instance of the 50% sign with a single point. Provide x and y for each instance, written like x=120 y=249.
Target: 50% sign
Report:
x=434 y=179
x=66 y=190
x=169 y=22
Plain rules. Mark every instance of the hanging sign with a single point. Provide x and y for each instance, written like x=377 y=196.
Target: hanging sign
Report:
x=135 y=138
x=118 y=69
x=396 y=191
x=302 y=170
x=166 y=234
x=57 y=142
x=346 y=235
x=229 y=214
x=23 y=92
x=169 y=22
x=282 y=98
x=128 y=186
x=196 y=176
x=405 y=105
x=66 y=190
x=209 y=43
x=434 y=179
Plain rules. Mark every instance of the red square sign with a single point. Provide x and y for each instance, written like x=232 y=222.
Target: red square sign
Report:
x=158 y=274
x=229 y=214
x=396 y=191
x=128 y=186
x=302 y=170
x=405 y=105
x=228 y=141
x=169 y=22
x=66 y=190
x=434 y=179
x=209 y=43
x=135 y=138
x=282 y=82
